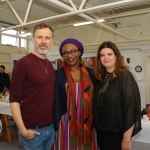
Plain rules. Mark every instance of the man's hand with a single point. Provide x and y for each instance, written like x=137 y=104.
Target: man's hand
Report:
x=29 y=134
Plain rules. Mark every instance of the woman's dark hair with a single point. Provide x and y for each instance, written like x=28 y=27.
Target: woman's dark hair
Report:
x=100 y=71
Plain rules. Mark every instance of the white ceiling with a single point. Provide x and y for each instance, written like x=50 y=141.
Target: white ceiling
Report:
x=22 y=14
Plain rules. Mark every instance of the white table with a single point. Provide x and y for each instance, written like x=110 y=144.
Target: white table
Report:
x=144 y=134
x=5 y=111
x=5 y=108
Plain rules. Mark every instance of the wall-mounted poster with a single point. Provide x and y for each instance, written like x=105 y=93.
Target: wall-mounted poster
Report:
x=89 y=61
x=15 y=61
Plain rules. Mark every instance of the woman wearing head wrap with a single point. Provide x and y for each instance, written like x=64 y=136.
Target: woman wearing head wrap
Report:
x=73 y=103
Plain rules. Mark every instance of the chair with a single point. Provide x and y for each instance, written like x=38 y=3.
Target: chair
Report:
x=5 y=124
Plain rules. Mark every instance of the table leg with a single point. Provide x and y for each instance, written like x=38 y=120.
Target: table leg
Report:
x=19 y=146
x=8 y=134
x=2 y=121
x=8 y=130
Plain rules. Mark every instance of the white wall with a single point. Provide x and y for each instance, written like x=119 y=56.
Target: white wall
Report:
x=7 y=59
x=137 y=58
x=14 y=56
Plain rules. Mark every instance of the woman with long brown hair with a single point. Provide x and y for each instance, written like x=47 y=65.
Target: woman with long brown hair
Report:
x=116 y=100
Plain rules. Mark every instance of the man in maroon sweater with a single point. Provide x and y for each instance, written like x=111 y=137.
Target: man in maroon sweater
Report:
x=32 y=93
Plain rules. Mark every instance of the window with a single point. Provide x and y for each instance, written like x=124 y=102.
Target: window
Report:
x=8 y=39
x=23 y=41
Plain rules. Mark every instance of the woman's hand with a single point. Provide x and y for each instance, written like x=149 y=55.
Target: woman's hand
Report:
x=125 y=145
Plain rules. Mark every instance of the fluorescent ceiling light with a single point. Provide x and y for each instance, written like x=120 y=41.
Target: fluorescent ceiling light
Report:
x=25 y=34
x=83 y=23
x=100 y=20
x=88 y=22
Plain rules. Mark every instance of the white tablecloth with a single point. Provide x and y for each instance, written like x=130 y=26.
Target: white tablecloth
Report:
x=5 y=108
x=144 y=134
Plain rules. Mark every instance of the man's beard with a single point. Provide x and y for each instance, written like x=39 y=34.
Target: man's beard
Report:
x=42 y=52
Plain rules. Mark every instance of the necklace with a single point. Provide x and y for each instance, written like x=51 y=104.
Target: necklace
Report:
x=43 y=65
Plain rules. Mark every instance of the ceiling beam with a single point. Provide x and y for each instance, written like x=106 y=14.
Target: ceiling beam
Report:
x=28 y=10
x=82 y=4
x=68 y=8
x=142 y=26
x=15 y=13
x=123 y=26
x=87 y=35
x=130 y=13
x=72 y=4
x=78 y=12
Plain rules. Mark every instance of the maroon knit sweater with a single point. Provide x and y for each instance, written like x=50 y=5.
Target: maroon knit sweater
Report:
x=34 y=89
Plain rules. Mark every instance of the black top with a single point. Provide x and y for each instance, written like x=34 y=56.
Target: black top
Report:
x=119 y=107
x=4 y=81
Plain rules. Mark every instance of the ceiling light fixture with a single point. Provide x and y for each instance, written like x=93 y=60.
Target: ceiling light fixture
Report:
x=88 y=22
x=100 y=20
x=25 y=34
x=83 y=23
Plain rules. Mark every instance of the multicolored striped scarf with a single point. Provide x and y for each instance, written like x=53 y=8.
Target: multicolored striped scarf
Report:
x=78 y=126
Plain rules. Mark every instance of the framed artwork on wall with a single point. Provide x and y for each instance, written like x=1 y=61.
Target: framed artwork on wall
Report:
x=89 y=61
x=15 y=61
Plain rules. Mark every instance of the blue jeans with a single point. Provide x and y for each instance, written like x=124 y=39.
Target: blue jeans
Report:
x=44 y=141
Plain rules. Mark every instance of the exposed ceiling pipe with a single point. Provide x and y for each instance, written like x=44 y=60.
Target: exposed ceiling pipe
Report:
x=123 y=26
x=28 y=10
x=142 y=26
x=127 y=41
x=66 y=15
x=72 y=4
x=130 y=13
x=115 y=16
x=87 y=34
x=82 y=4
x=68 y=8
x=15 y=13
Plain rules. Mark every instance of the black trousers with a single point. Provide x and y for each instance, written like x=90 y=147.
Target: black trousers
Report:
x=109 y=141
